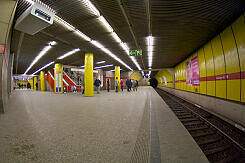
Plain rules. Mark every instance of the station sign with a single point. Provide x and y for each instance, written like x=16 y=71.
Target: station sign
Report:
x=137 y=52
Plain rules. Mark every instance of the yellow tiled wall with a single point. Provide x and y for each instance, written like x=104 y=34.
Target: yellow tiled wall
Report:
x=221 y=65
x=167 y=75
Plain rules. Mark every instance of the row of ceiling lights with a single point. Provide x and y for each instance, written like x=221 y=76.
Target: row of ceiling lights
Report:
x=79 y=33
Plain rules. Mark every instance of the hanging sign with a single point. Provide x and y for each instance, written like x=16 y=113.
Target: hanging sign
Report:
x=135 y=52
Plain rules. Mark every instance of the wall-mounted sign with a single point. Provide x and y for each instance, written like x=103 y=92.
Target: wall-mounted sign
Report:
x=135 y=52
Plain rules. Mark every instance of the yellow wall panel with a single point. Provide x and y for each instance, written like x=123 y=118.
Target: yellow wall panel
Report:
x=210 y=69
x=162 y=75
x=183 y=76
x=232 y=64
x=239 y=33
x=219 y=64
x=202 y=72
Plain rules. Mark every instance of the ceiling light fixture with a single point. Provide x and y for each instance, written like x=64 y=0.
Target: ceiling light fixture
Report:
x=106 y=24
x=115 y=36
x=99 y=62
x=150 y=49
x=82 y=35
x=68 y=53
x=97 y=44
x=110 y=29
x=98 y=67
x=92 y=8
x=64 y=23
x=149 y=73
x=43 y=67
x=114 y=69
x=40 y=55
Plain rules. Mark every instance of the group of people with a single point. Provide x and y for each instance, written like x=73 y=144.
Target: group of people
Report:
x=129 y=84
x=27 y=85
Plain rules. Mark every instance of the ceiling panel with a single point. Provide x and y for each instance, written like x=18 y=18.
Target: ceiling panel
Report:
x=179 y=28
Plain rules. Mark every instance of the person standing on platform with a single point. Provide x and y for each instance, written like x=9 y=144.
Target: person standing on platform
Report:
x=108 y=85
x=28 y=85
x=83 y=88
x=36 y=85
x=116 y=84
x=136 y=85
x=97 y=83
x=128 y=84
x=122 y=84
x=131 y=84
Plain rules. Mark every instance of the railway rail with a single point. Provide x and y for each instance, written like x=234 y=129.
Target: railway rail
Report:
x=219 y=140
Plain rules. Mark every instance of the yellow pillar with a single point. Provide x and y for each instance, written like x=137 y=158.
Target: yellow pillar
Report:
x=31 y=83
x=58 y=78
x=117 y=75
x=42 y=81
x=34 y=83
x=88 y=74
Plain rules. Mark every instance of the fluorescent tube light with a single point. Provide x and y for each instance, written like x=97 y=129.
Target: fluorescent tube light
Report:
x=114 y=69
x=69 y=53
x=99 y=62
x=125 y=47
x=98 y=67
x=82 y=35
x=106 y=24
x=39 y=56
x=64 y=23
x=115 y=36
x=43 y=67
x=52 y=43
x=150 y=49
x=92 y=8
x=97 y=44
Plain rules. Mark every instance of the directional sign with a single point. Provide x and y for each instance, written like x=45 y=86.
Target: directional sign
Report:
x=135 y=52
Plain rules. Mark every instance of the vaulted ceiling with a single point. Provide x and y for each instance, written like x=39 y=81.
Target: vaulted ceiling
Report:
x=178 y=27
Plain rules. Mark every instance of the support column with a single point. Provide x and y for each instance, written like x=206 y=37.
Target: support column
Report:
x=31 y=82
x=42 y=81
x=58 y=78
x=117 y=75
x=34 y=83
x=88 y=74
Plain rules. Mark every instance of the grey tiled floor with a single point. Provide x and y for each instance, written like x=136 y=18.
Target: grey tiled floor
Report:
x=45 y=127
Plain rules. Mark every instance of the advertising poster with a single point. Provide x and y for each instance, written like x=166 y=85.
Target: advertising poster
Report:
x=192 y=72
x=195 y=72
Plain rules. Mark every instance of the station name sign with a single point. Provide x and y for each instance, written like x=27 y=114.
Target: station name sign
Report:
x=137 y=52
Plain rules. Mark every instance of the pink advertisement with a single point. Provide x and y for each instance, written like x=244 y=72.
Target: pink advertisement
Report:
x=192 y=72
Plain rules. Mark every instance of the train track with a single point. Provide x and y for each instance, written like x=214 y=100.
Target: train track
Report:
x=219 y=141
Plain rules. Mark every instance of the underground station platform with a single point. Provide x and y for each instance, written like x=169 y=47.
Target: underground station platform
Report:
x=122 y=81
x=110 y=127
